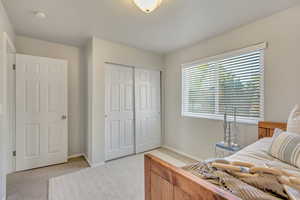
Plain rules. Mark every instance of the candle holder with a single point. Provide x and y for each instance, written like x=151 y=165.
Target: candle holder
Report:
x=231 y=131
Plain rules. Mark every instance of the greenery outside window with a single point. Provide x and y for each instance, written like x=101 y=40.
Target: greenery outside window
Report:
x=231 y=82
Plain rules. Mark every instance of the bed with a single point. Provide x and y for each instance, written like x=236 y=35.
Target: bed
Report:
x=164 y=181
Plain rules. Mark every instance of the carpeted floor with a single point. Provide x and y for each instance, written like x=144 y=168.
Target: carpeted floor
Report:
x=33 y=184
x=117 y=180
x=121 y=179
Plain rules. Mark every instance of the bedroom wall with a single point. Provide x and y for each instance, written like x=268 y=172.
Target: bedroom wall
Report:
x=106 y=51
x=76 y=104
x=282 y=68
x=5 y=26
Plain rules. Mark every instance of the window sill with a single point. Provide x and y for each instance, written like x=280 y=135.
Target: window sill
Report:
x=252 y=121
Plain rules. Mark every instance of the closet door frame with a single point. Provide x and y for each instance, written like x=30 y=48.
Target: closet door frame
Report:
x=134 y=69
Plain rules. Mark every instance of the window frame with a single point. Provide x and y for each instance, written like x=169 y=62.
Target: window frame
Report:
x=248 y=120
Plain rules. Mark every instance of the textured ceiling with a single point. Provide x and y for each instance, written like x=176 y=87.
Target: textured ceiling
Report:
x=176 y=24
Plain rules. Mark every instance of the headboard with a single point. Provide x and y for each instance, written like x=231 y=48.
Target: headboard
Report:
x=266 y=129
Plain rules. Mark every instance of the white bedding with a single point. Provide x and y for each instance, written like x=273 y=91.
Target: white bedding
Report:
x=257 y=154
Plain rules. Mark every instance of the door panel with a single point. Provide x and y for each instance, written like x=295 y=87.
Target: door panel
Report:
x=32 y=140
x=41 y=103
x=55 y=97
x=119 y=121
x=148 y=117
x=32 y=96
x=54 y=133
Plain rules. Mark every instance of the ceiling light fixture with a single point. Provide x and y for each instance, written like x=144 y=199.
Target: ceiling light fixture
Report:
x=147 y=5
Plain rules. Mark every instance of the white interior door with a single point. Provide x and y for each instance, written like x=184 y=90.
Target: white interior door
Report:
x=147 y=109
x=119 y=111
x=41 y=112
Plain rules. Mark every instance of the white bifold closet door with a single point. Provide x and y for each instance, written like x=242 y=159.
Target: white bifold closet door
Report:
x=132 y=110
x=147 y=109
x=41 y=111
x=119 y=111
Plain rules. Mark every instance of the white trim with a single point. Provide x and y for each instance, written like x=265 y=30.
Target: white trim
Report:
x=244 y=120
x=7 y=45
x=91 y=164
x=135 y=66
x=87 y=160
x=75 y=155
x=256 y=47
x=182 y=153
x=97 y=164
x=66 y=68
x=10 y=43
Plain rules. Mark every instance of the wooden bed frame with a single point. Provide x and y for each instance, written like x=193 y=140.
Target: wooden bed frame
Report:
x=164 y=181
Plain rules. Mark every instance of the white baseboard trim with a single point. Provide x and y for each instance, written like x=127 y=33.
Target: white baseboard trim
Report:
x=98 y=164
x=91 y=164
x=10 y=171
x=87 y=160
x=182 y=153
x=75 y=155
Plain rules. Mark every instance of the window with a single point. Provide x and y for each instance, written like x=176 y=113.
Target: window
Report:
x=231 y=83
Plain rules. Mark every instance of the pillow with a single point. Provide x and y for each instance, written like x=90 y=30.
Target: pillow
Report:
x=277 y=132
x=286 y=147
x=293 y=125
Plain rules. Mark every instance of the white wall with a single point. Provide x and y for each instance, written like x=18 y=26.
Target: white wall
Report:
x=101 y=51
x=76 y=115
x=5 y=26
x=282 y=69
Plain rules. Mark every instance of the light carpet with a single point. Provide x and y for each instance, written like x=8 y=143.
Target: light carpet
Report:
x=33 y=184
x=122 y=179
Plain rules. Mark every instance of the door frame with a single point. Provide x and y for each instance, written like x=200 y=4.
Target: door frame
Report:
x=8 y=48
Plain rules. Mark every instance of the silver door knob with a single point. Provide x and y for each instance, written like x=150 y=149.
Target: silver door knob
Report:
x=64 y=117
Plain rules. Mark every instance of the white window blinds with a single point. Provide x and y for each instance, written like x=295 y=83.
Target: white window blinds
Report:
x=226 y=83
